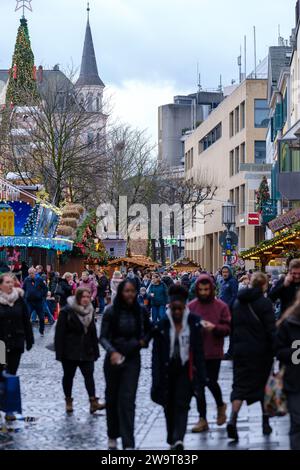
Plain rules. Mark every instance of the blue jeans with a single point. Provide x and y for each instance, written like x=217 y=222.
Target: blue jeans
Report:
x=47 y=312
x=37 y=306
x=101 y=303
x=158 y=312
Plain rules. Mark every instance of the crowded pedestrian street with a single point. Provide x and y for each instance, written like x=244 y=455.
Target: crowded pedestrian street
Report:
x=149 y=230
x=54 y=430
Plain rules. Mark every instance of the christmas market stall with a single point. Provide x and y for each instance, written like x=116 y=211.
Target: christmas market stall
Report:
x=28 y=228
x=184 y=265
x=138 y=262
x=281 y=249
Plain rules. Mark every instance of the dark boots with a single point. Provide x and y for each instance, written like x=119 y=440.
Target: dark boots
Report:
x=69 y=405
x=267 y=430
x=232 y=432
x=95 y=405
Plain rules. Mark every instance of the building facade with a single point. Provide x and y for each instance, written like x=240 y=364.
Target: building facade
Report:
x=228 y=150
x=177 y=119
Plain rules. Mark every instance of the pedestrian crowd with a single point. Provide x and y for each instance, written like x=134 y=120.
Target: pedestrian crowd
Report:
x=185 y=318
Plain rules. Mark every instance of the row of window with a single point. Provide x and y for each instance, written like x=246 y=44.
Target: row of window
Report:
x=189 y=159
x=236 y=157
x=214 y=135
x=238 y=197
x=237 y=119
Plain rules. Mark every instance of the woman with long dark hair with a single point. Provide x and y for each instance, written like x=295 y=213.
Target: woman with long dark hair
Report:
x=125 y=331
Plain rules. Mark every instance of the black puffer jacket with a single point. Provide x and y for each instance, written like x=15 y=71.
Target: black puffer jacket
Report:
x=123 y=329
x=286 y=295
x=64 y=291
x=253 y=335
x=287 y=336
x=161 y=359
x=15 y=326
x=71 y=340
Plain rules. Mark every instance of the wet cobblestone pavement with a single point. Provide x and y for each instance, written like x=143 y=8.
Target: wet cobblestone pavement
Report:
x=43 y=399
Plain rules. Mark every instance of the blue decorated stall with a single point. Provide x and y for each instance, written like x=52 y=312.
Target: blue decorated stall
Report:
x=28 y=229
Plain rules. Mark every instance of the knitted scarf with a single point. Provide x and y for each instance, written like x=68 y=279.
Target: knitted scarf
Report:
x=85 y=314
x=10 y=299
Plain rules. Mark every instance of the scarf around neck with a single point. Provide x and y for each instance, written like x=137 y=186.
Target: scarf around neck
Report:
x=183 y=336
x=84 y=314
x=10 y=299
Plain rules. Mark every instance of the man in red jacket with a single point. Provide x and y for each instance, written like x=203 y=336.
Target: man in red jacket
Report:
x=216 y=318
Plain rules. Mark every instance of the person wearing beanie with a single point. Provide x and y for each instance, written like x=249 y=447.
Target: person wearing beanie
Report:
x=215 y=316
x=178 y=366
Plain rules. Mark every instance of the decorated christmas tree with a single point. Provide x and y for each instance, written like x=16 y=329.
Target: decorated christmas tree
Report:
x=30 y=225
x=262 y=195
x=22 y=87
x=87 y=241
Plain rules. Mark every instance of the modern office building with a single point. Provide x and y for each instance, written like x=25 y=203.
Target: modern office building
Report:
x=228 y=150
x=177 y=119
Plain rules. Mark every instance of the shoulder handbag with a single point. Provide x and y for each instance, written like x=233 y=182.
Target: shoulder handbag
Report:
x=275 y=402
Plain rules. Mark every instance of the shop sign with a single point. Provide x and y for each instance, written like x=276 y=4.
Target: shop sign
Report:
x=285 y=220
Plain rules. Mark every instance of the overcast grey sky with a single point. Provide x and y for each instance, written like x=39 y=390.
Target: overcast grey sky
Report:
x=147 y=50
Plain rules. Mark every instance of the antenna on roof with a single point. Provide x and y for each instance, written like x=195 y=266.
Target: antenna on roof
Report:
x=281 y=41
x=255 y=59
x=239 y=61
x=245 y=55
x=199 y=79
x=220 y=87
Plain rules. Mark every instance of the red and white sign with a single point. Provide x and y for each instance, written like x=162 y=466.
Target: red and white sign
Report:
x=234 y=259
x=254 y=218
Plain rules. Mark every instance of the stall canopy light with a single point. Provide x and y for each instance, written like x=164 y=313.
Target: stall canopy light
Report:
x=58 y=244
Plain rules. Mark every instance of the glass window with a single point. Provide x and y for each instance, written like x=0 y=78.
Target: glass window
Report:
x=285 y=162
x=243 y=116
x=237 y=120
x=243 y=153
x=231 y=124
x=295 y=160
x=260 y=151
x=237 y=160
x=261 y=113
x=231 y=163
x=243 y=199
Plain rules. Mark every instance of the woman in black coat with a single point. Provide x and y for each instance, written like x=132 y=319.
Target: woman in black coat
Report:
x=15 y=326
x=76 y=345
x=288 y=353
x=64 y=288
x=178 y=365
x=253 y=349
x=125 y=331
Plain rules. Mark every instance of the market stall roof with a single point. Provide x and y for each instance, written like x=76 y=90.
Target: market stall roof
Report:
x=184 y=264
x=141 y=261
x=279 y=245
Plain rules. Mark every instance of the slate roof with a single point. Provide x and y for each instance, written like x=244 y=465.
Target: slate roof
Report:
x=89 y=75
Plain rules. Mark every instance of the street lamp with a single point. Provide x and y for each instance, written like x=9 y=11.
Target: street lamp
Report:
x=228 y=219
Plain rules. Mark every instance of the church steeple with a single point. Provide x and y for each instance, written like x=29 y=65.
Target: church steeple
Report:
x=89 y=75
